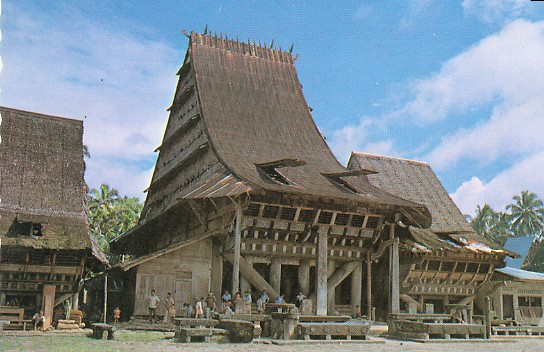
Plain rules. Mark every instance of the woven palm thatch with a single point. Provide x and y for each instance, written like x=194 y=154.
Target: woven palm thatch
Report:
x=416 y=181
x=41 y=182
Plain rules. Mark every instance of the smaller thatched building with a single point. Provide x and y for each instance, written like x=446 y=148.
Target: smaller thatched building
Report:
x=447 y=263
x=43 y=228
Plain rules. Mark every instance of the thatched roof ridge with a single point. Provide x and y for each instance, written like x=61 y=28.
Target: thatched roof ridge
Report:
x=255 y=114
x=415 y=181
x=41 y=180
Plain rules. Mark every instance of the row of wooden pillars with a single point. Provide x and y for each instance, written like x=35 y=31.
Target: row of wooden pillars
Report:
x=324 y=289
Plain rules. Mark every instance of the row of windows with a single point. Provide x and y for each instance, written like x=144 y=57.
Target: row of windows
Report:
x=461 y=267
x=308 y=216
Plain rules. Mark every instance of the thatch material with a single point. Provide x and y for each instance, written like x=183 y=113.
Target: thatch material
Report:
x=41 y=181
x=254 y=111
x=416 y=181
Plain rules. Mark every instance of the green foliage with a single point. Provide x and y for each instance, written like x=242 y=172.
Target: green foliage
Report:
x=110 y=215
x=523 y=217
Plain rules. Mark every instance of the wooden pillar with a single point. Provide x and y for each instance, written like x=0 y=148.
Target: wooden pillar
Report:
x=275 y=274
x=321 y=272
x=48 y=303
x=356 y=286
x=304 y=276
x=395 y=277
x=105 y=297
x=75 y=300
x=244 y=284
x=369 y=285
x=216 y=276
x=237 y=242
x=331 y=292
x=487 y=317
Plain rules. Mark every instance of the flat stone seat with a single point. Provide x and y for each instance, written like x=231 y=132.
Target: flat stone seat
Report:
x=328 y=330
x=238 y=330
x=248 y=317
x=186 y=334
x=193 y=322
x=2 y=323
x=527 y=330
x=99 y=328
x=421 y=317
x=323 y=318
x=426 y=331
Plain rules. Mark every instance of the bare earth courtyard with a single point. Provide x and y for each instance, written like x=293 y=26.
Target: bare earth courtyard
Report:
x=157 y=341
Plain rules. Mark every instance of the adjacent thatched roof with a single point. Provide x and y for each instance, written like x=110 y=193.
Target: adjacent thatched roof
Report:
x=416 y=181
x=41 y=181
x=255 y=115
x=534 y=261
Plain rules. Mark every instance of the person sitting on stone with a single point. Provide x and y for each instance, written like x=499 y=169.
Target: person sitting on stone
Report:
x=38 y=320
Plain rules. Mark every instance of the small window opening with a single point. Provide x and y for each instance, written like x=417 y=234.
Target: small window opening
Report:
x=341 y=219
x=372 y=222
x=339 y=181
x=252 y=209
x=306 y=215
x=37 y=230
x=270 y=211
x=357 y=220
x=288 y=213
x=276 y=176
x=325 y=217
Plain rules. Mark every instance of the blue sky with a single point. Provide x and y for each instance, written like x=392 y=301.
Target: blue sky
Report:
x=458 y=84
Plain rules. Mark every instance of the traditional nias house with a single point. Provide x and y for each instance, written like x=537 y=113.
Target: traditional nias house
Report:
x=43 y=229
x=447 y=263
x=246 y=194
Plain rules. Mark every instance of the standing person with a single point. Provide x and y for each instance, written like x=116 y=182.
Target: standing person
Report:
x=152 y=302
x=247 y=300
x=199 y=313
x=259 y=306
x=190 y=310
x=210 y=304
x=264 y=297
x=38 y=320
x=300 y=297
x=238 y=303
x=170 y=313
x=116 y=315
x=280 y=299
x=225 y=298
x=183 y=311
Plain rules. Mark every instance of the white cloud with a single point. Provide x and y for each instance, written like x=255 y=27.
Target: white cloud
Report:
x=498 y=192
x=502 y=71
x=74 y=67
x=497 y=11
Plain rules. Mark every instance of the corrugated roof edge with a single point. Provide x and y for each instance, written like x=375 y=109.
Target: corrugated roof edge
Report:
x=521 y=274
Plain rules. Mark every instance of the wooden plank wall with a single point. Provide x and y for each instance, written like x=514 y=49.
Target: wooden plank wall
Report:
x=185 y=273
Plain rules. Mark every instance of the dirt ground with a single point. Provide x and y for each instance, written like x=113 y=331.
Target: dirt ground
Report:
x=161 y=341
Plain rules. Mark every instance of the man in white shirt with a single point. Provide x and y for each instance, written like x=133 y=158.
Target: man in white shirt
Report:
x=153 y=301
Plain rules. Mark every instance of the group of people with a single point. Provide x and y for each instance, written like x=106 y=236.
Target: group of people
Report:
x=200 y=309
x=204 y=307
x=241 y=304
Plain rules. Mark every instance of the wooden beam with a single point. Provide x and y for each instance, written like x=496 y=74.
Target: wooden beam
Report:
x=321 y=272
x=356 y=286
x=253 y=276
x=197 y=214
x=237 y=242
x=369 y=285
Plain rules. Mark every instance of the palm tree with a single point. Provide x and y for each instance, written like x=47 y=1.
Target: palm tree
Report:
x=526 y=214
x=484 y=219
x=103 y=197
